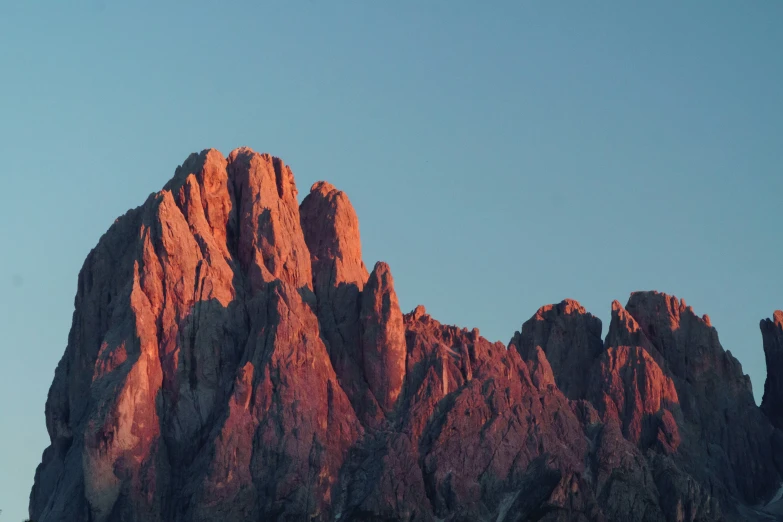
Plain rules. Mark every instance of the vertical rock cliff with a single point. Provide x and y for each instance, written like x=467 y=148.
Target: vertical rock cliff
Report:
x=231 y=358
x=772 y=335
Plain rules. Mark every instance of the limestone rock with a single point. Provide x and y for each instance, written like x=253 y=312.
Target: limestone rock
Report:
x=230 y=358
x=569 y=337
x=382 y=338
x=632 y=389
x=331 y=231
x=772 y=334
x=195 y=368
x=732 y=450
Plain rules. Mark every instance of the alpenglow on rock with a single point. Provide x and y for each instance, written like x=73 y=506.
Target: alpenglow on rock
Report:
x=231 y=358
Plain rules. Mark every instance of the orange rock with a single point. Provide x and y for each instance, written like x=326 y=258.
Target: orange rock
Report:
x=383 y=338
x=230 y=358
x=331 y=231
x=633 y=389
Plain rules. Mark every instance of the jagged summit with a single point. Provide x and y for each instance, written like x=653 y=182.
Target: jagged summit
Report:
x=231 y=358
x=324 y=188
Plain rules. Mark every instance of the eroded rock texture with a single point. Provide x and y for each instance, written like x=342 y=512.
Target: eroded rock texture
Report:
x=232 y=359
x=571 y=340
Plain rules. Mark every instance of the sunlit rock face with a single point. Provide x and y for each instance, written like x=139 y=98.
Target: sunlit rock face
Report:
x=231 y=358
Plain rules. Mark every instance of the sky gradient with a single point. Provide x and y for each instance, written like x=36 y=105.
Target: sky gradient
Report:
x=500 y=157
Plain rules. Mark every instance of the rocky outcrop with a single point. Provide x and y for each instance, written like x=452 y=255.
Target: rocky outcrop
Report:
x=231 y=358
x=331 y=231
x=729 y=447
x=195 y=384
x=382 y=338
x=630 y=387
x=625 y=331
x=633 y=391
x=772 y=335
x=569 y=337
x=481 y=425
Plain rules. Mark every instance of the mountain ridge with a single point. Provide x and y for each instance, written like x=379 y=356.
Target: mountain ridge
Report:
x=232 y=358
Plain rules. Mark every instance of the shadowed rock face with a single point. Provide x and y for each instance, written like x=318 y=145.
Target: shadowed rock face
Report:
x=231 y=358
x=732 y=437
x=331 y=231
x=571 y=340
x=772 y=334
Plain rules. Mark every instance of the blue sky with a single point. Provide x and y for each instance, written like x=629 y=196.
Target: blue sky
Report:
x=500 y=156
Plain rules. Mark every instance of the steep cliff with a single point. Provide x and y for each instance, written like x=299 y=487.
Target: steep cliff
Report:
x=231 y=358
x=772 y=335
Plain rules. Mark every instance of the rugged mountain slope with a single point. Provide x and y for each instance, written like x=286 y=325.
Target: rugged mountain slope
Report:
x=231 y=358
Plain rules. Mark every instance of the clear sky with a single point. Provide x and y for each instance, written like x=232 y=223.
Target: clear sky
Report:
x=501 y=156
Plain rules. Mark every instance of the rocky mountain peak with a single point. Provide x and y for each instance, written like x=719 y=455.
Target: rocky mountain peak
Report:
x=331 y=231
x=231 y=358
x=383 y=337
x=569 y=337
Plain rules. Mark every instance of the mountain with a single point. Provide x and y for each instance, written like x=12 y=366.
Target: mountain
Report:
x=231 y=358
